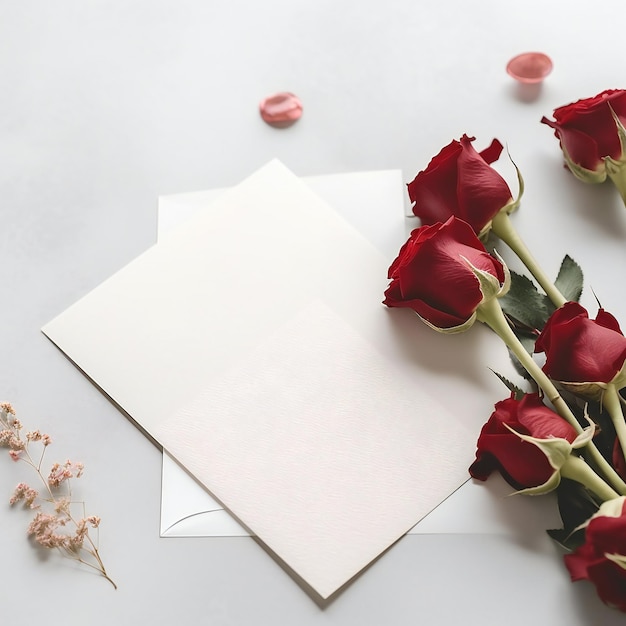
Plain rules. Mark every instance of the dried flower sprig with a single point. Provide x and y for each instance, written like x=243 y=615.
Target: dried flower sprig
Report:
x=56 y=527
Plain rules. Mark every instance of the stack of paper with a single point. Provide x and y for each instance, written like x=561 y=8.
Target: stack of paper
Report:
x=251 y=343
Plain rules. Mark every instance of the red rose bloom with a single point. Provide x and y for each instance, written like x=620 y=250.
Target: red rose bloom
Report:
x=579 y=349
x=459 y=181
x=522 y=464
x=588 y=133
x=601 y=559
x=433 y=274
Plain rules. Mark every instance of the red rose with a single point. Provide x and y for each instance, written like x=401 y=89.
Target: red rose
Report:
x=601 y=559
x=522 y=464
x=582 y=350
x=459 y=181
x=588 y=133
x=437 y=275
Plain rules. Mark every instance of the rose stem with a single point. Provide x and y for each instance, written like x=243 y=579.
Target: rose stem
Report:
x=610 y=399
x=576 y=469
x=503 y=228
x=490 y=313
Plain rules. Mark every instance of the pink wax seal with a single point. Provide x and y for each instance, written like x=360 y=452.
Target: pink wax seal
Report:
x=529 y=67
x=281 y=109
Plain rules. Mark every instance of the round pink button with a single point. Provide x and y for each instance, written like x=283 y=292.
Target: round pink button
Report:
x=529 y=67
x=281 y=109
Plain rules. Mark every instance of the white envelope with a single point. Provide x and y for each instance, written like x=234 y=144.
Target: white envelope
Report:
x=252 y=344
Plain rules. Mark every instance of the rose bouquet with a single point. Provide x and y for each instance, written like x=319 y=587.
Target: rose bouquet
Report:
x=562 y=427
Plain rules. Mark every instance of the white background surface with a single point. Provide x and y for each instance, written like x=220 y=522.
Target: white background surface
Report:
x=106 y=105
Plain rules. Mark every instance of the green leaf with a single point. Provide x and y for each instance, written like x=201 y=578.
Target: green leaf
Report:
x=518 y=393
x=567 y=539
x=528 y=341
x=570 y=279
x=576 y=506
x=519 y=368
x=525 y=304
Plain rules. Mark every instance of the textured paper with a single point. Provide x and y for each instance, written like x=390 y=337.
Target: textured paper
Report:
x=205 y=302
x=313 y=441
x=373 y=203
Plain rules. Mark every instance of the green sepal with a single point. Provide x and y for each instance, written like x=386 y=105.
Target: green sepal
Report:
x=453 y=330
x=582 y=173
x=557 y=449
x=618 y=559
x=585 y=436
x=550 y=485
x=514 y=205
x=610 y=508
x=490 y=286
x=509 y=207
x=621 y=131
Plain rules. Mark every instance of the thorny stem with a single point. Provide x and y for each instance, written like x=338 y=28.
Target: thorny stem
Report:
x=503 y=228
x=576 y=469
x=611 y=400
x=491 y=314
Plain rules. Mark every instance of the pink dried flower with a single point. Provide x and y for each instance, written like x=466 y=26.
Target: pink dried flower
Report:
x=62 y=506
x=80 y=534
x=94 y=520
x=61 y=473
x=78 y=468
x=16 y=444
x=6 y=408
x=45 y=526
x=42 y=529
x=25 y=493
x=57 y=475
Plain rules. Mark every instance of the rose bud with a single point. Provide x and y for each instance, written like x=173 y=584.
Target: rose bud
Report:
x=502 y=446
x=460 y=181
x=591 y=135
x=584 y=355
x=444 y=273
x=602 y=558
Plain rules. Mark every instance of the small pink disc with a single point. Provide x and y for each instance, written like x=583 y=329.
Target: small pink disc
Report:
x=529 y=67
x=281 y=109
